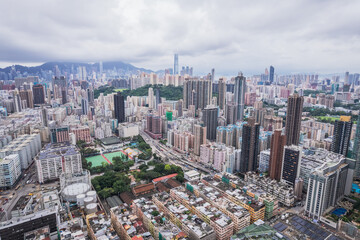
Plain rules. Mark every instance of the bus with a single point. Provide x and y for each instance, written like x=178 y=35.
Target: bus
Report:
x=17 y=187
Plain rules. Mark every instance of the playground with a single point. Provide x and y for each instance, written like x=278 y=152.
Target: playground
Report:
x=105 y=158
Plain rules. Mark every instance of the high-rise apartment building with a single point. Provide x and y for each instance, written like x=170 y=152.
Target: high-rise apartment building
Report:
x=342 y=133
x=293 y=119
x=60 y=81
x=56 y=159
x=291 y=163
x=27 y=95
x=327 y=185
x=250 y=146
x=84 y=106
x=222 y=93
x=197 y=92
x=278 y=142
x=271 y=75
x=153 y=126
x=356 y=149
x=63 y=95
x=151 y=98
x=10 y=170
x=239 y=96
x=59 y=134
x=119 y=107
x=210 y=115
x=200 y=138
x=38 y=94
x=157 y=98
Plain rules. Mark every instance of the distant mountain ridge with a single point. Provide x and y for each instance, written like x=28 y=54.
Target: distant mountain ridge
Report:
x=67 y=66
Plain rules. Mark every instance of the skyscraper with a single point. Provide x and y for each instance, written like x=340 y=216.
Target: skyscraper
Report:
x=278 y=142
x=119 y=107
x=200 y=138
x=342 y=133
x=197 y=92
x=44 y=117
x=90 y=95
x=356 y=149
x=271 y=75
x=210 y=115
x=38 y=93
x=213 y=75
x=176 y=64
x=222 y=93
x=157 y=98
x=291 y=164
x=63 y=95
x=293 y=119
x=59 y=81
x=151 y=99
x=250 y=146
x=239 y=95
x=84 y=106
x=27 y=95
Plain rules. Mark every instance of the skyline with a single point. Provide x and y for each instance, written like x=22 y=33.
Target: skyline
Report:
x=319 y=37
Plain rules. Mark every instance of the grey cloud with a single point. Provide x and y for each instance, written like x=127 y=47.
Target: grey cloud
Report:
x=294 y=36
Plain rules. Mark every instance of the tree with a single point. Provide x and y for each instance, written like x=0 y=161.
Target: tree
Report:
x=143 y=167
x=151 y=175
x=167 y=168
x=159 y=167
x=180 y=177
x=106 y=192
x=121 y=186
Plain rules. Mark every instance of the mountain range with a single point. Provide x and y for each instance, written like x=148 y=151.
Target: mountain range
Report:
x=72 y=66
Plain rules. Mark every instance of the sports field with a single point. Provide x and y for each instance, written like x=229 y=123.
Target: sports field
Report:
x=113 y=154
x=106 y=158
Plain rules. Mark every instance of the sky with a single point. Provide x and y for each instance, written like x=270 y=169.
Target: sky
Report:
x=294 y=36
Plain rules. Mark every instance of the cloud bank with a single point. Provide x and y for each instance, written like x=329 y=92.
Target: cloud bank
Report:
x=294 y=36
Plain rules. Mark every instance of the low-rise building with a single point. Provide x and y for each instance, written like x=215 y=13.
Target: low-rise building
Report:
x=127 y=225
x=155 y=220
x=239 y=215
x=192 y=175
x=182 y=217
x=282 y=191
x=237 y=196
x=222 y=224
x=99 y=227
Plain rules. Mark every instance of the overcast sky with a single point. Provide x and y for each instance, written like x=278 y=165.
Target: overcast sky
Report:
x=293 y=36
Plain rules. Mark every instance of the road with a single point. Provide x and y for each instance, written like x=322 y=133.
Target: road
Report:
x=174 y=157
x=24 y=189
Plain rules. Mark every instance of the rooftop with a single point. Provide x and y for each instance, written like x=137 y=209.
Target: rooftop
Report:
x=53 y=150
x=131 y=223
x=167 y=229
x=198 y=226
x=235 y=192
x=218 y=198
x=204 y=207
x=258 y=230
x=101 y=225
